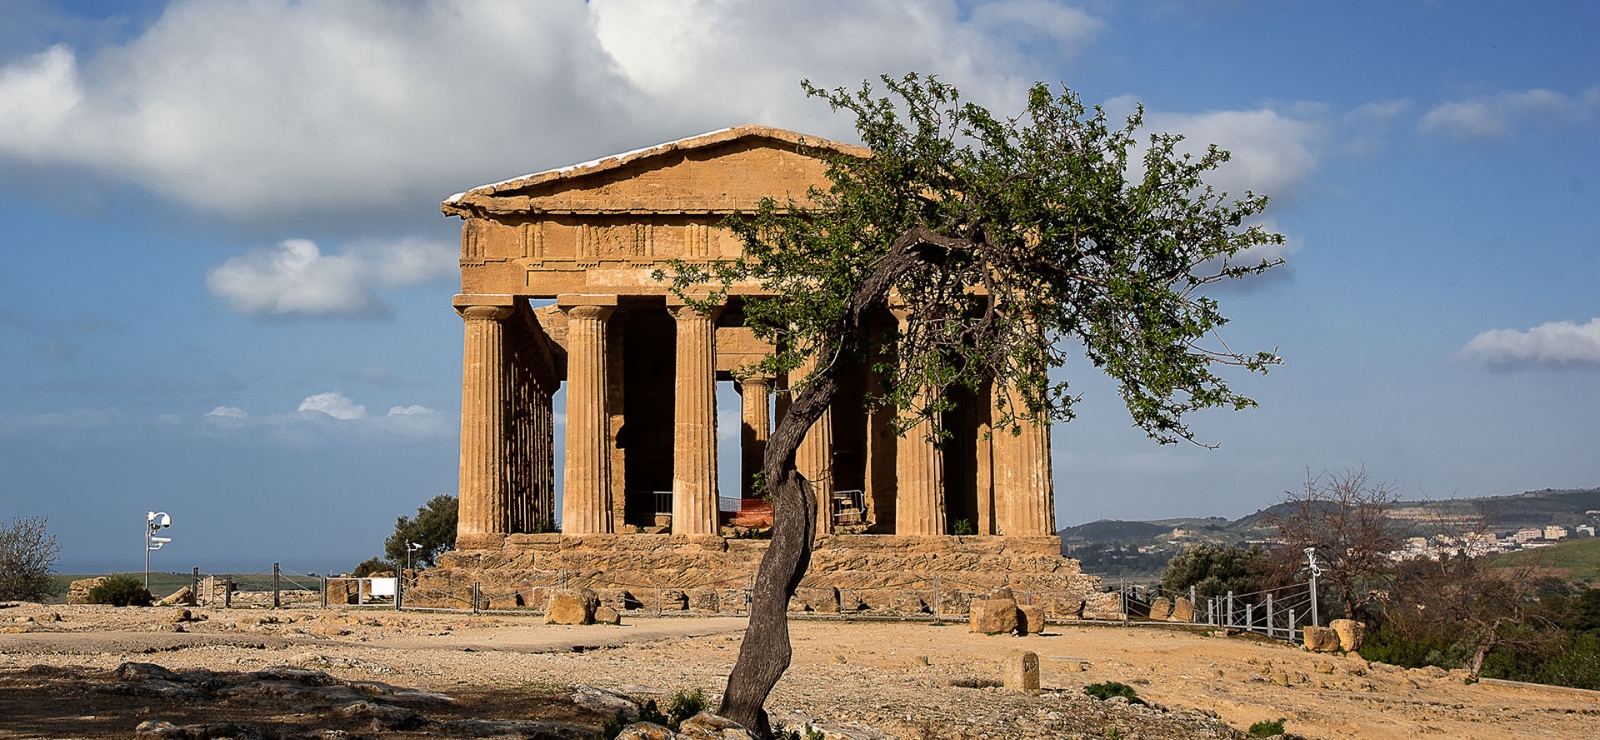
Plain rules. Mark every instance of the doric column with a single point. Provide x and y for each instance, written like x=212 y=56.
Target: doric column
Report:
x=586 y=505
x=1024 y=489
x=814 y=459
x=919 y=468
x=756 y=428
x=485 y=393
x=694 y=439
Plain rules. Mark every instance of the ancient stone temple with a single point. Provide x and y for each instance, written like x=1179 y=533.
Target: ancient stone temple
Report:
x=557 y=293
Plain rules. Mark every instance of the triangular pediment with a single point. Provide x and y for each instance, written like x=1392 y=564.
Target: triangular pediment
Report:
x=717 y=172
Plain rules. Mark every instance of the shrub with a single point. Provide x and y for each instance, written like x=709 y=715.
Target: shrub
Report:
x=27 y=554
x=1109 y=689
x=962 y=527
x=1267 y=728
x=683 y=705
x=120 y=590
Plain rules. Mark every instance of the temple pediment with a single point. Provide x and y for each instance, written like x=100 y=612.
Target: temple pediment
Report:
x=605 y=226
x=713 y=173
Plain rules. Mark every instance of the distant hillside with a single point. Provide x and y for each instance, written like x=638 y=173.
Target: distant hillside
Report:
x=1141 y=549
x=1574 y=561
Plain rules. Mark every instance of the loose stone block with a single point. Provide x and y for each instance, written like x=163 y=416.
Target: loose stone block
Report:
x=1020 y=671
x=1030 y=619
x=1320 y=639
x=673 y=600
x=616 y=598
x=1182 y=610
x=702 y=600
x=993 y=616
x=607 y=615
x=819 y=600
x=1160 y=609
x=1106 y=606
x=907 y=602
x=1351 y=634
x=571 y=606
x=708 y=726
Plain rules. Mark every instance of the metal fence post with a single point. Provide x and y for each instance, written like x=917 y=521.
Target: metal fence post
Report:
x=194 y=587
x=1230 y=608
x=1291 y=624
x=276 y=600
x=323 y=581
x=475 y=597
x=227 y=593
x=1269 y=615
x=399 y=590
x=1250 y=617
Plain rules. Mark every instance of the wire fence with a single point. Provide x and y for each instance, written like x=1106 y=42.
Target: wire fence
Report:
x=1280 y=612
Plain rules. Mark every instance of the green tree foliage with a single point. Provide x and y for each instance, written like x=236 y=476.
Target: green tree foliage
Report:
x=372 y=565
x=1214 y=570
x=28 y=554
x=434 y=528
x=1010 y=245
x=120 y=590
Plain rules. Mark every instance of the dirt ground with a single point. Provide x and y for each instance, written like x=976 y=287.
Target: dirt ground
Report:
x=855 y=679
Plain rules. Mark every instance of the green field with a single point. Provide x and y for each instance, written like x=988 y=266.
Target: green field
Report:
x=1578 y=561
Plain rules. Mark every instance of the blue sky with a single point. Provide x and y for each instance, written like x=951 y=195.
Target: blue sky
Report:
x=225 y=283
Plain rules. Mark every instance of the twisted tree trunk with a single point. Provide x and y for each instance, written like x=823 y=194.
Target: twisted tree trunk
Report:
x=766 y=652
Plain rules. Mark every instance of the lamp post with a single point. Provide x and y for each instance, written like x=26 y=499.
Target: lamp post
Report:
x=1311 y=560
x=154 y=521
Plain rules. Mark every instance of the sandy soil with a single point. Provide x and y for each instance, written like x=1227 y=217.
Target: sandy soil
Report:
x=860 y=679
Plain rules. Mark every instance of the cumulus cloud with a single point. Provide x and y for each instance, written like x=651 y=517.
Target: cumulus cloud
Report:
x=266 y=109
x=296 y=279
x=412 y=410
x=1495 y=116
x=1556 y=343
x=334 y=404
x=227 y=412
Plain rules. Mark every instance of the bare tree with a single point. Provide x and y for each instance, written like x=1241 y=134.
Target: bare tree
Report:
x=27 y=554
x=1344 y=518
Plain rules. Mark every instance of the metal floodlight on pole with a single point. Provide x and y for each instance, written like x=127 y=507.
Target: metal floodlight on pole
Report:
x=411 y=547
x=1311 y=560
x=154 y=521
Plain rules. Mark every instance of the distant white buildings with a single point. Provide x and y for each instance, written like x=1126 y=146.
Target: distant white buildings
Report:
x=1554 y=532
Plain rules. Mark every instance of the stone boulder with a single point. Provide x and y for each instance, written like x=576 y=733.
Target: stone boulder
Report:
x=993 y=616
x=1020 y=671
x=1030 y=619
x=1182 y=610
x=1160 y=609
x=708 y=726
x=1351 y=634
x=703 y=600
x=606 y=615
x=818 y=600
x=78 y=591
x=571 y=606
x=183 y=595
x=1107 y=606
x=1320 y=639
x=646 y=731
x=673 y=600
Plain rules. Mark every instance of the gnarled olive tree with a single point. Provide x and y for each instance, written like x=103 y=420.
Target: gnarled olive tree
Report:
x=1012 y=244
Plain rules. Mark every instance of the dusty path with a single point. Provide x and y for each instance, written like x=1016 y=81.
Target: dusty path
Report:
x=867 y=679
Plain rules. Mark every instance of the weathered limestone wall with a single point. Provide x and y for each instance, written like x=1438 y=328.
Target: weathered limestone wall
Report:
x=849 y=573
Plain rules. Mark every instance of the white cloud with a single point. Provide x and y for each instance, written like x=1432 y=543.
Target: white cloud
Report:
x=266 y=109
x=334 y=404
x=1495 y=116
x=1553 y=343
x=296 y=279
x=227 y=412
x=412 y=410
x=1271 y=151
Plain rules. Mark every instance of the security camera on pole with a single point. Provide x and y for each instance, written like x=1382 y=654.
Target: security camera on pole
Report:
x=154 y=521
x=411 y=547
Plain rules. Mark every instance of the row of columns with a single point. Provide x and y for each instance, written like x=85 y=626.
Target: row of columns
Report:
x=1023 y=493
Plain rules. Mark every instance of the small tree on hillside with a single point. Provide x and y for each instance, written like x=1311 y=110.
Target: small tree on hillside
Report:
x=1010 y=245
x=1345 y=518
x=28 y=553
x=434 y=528
x=1214 y=570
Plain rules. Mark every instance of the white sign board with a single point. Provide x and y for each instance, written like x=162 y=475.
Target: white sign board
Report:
x=384 y=586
